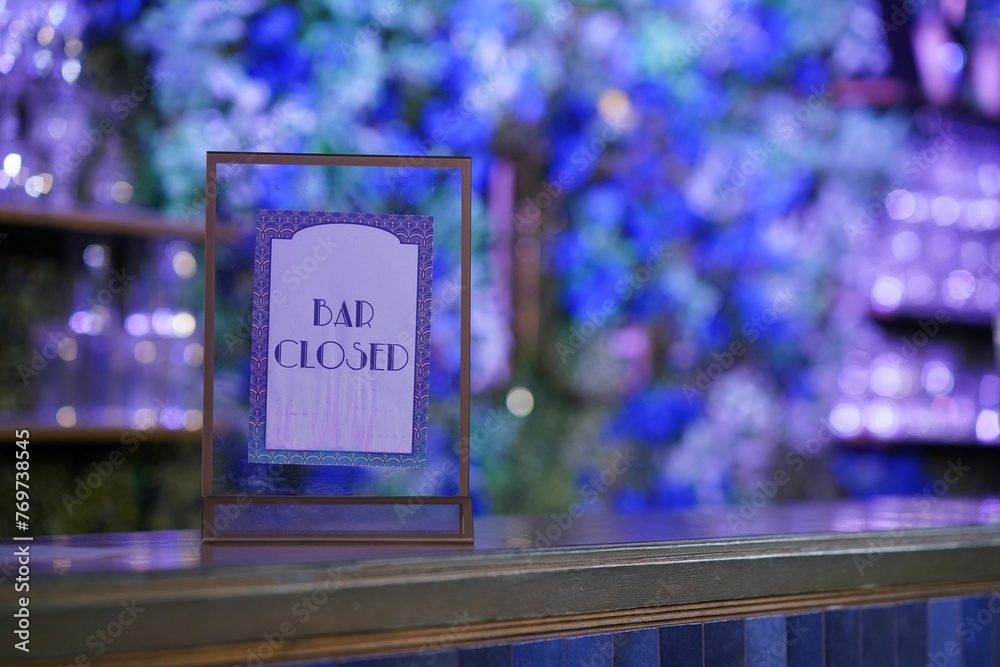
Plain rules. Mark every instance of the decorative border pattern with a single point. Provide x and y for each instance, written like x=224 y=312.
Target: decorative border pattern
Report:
x=409 y=229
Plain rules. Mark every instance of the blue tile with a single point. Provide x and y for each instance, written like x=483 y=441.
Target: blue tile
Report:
x=539 y=654
x=724 y=644
x=878 y=636
x=766 y=642
x=636 y=647
x=370 y=662
x=911 y=633
x=593 y=651
x=842 y=637
x=489 y=656
x=995 y=604
x=681 y=646
x=430 y=658
x=804 y=638
x=974 y=630
x=943 y=646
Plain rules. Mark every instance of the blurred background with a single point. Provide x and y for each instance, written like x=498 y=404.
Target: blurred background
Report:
x=727 y=253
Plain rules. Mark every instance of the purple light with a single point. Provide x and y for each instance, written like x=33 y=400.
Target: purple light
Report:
x=886 y=381
x=988 y=176
x=944 y=210
x=163 y=322
x=95 y=256
x=847 y=420
x=853 y=381
x=906 y=246
x=137 y=324
x=987 y=426
x=920 y=288
x=951 y=56
x=937 y=378
x=172 y=418
x=887 y=293
x=900 y=204
x=989 y=390
x=987 y=297
x=881 y=420
x=85 y=322
x=959 y=287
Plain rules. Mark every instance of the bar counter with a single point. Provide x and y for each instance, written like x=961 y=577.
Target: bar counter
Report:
x=162 y=598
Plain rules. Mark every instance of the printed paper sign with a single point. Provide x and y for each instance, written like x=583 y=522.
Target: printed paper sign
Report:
x=340 y=338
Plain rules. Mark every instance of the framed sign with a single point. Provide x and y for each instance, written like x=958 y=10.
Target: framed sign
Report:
x=337 y=348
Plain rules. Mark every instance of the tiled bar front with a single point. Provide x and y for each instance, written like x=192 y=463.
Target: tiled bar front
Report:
x=821 y=584
x=952 y=632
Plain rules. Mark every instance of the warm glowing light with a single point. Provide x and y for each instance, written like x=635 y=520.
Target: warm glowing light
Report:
x=614 y=106
x=12 y=164
x=67 y=349
x=121 y=192
x=144 y=419
x=145 y=352
x=185 y=265
x=194 y=355
x=183 y=325
x=46 y=34
x=520 y=402
x=66 y=417
x=70 y=70
x=192 y=420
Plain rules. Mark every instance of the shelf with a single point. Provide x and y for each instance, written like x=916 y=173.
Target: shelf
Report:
x=958 y=320
x=126 y=222
x=895 y=443
x=94 y=435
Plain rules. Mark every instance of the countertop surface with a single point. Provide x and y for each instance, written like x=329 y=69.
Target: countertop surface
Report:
x=108 y=553
x=522 y=579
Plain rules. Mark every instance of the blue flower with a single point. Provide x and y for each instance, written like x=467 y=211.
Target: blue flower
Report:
x=655 y=416
x=811 y=74
x=602 y=205
x=630 y=499
x=675 y=496
x=456 y=125
x=486 y=15
x=275 y=29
